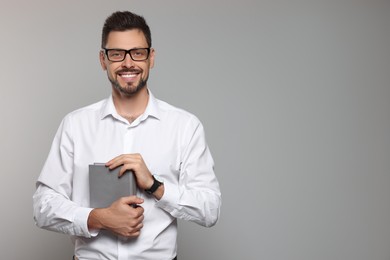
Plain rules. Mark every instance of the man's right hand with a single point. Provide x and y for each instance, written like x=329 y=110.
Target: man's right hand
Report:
x=120 y=217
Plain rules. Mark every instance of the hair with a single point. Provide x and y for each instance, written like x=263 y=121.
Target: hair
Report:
x=123 y=21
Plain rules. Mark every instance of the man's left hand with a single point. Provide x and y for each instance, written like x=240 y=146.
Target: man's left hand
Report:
x=135 y=163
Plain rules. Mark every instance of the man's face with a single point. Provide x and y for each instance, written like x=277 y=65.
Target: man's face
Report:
x=127 y=76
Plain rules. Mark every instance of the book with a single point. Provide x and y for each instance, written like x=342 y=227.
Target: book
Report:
x=105 y=186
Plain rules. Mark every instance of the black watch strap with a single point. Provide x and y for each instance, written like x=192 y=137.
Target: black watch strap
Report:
x=154 y=187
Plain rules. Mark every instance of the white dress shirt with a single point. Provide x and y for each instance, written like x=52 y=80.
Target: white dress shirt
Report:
x=173 y=146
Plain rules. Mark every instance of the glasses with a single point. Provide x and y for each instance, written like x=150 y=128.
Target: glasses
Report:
x=137 y=54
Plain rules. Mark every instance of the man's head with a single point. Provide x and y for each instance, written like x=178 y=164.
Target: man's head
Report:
x=126 y=52
x=122 y=21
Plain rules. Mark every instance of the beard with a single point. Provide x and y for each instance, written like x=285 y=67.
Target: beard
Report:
x=128 y=90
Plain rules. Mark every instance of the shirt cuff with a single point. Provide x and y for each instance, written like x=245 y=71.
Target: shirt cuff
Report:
x=81 y=223
x=170 y=198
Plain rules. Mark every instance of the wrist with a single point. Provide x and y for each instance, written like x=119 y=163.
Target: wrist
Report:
x=154 y=187
x=94 y=219
x=159 y=192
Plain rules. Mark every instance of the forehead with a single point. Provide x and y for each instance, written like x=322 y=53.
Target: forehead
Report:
x=126 y=40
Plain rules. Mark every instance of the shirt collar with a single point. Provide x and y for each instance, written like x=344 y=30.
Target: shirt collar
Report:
x=152 y=109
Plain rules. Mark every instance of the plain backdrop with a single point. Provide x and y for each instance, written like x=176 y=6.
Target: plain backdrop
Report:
x=294 y=96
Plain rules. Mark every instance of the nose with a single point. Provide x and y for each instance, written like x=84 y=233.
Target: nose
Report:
x=127 y=62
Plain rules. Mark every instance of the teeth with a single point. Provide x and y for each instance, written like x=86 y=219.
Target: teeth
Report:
x=128 y=75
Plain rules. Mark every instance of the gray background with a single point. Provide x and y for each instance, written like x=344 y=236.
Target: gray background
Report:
x=294 y=96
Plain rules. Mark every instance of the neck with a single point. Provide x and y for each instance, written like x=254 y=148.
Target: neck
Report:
x=130 y=107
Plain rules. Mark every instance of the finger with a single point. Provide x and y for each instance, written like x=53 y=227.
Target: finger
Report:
x=119 y=160
x=115 y=162
x=141 y=218
x=137 y=213
x=124 y=168
x=133 y=234
x=132 y=200
x=140 y=213
x=138 y=227
x=127 y=159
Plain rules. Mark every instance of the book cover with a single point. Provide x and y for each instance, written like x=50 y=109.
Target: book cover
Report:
x=105 y=187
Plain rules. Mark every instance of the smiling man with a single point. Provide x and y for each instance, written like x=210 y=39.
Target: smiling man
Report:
x=163 y=146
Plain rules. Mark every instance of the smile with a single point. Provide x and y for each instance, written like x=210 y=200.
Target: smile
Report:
x=128 y=75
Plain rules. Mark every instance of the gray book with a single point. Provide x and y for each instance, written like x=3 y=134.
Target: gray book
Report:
x=105 y=187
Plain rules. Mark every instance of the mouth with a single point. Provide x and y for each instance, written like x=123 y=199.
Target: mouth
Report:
x=128 y=76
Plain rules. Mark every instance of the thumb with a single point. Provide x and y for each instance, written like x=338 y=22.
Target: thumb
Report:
x=132 y=200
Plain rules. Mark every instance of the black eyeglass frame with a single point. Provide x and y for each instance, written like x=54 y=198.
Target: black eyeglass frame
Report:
x=127 y=52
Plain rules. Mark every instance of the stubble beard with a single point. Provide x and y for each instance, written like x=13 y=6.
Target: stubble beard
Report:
x=128 y=90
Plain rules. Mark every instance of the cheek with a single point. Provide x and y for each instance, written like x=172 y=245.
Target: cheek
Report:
x=111 y=69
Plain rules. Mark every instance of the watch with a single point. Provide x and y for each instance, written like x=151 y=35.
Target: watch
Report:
x=154 y=187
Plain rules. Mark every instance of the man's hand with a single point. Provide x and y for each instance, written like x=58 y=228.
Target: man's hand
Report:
x=121 y=218
x=135 y=163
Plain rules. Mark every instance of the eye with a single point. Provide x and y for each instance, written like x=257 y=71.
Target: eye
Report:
x=138 y=53
x=115 y=53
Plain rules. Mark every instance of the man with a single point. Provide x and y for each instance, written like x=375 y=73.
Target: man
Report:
x=163 y=146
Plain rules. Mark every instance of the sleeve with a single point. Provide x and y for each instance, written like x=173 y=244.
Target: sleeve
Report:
x=52 y=205
x=197 y=198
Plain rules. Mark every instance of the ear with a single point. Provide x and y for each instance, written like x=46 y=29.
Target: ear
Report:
x=151 y=58
x=102 y=59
